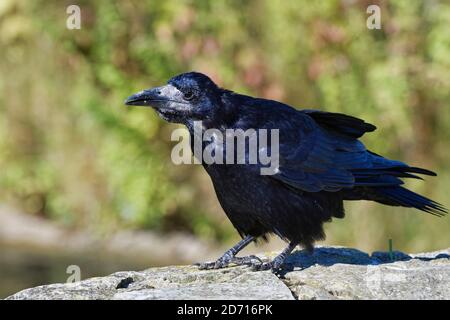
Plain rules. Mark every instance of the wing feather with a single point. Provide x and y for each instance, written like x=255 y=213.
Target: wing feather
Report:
x=319 y=159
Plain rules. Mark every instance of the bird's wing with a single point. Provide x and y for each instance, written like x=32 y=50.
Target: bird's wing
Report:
x=313 y=158
x=341 y=123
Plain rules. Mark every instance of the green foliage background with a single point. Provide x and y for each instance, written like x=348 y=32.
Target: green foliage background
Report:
x=70 y=150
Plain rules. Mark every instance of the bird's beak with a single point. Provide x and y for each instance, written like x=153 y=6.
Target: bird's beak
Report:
x=147 y=97
x=155 y=97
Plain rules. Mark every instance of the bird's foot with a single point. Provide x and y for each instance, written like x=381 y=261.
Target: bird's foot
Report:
x=247 y=260
x=226 y=260
x=222 y=262
x=274 y=265
x=218 y=264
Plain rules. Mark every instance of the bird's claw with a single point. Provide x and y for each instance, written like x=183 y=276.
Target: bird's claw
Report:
x=274 y=265
x=252 y=261
x=224 y=261
x=247 y=260
x=211 y=265
x=262 y=266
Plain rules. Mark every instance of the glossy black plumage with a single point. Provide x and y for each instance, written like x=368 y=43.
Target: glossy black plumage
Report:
x=322 y=163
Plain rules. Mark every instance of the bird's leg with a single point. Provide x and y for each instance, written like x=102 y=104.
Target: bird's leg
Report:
x=277 y=262
x=229 y=256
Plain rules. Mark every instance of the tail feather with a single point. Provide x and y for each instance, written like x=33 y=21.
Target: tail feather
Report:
x=403 y=197
x=396 y=171
x=418 y=170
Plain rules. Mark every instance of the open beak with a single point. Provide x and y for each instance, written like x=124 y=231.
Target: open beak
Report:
x=147 y=97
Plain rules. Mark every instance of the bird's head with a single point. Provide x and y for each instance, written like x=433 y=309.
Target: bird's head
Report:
x=186 y=97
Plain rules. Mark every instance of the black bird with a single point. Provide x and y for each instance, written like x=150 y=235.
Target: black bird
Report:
x=321 y=164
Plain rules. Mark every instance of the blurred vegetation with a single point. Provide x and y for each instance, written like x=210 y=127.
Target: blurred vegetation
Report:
x=70 y=150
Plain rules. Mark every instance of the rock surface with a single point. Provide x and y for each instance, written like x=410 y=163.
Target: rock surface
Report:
x=330 y=273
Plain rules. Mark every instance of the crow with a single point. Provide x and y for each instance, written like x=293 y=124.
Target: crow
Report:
x=321 y=164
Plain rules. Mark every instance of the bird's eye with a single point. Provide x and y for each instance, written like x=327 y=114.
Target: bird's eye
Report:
x=189 y=95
